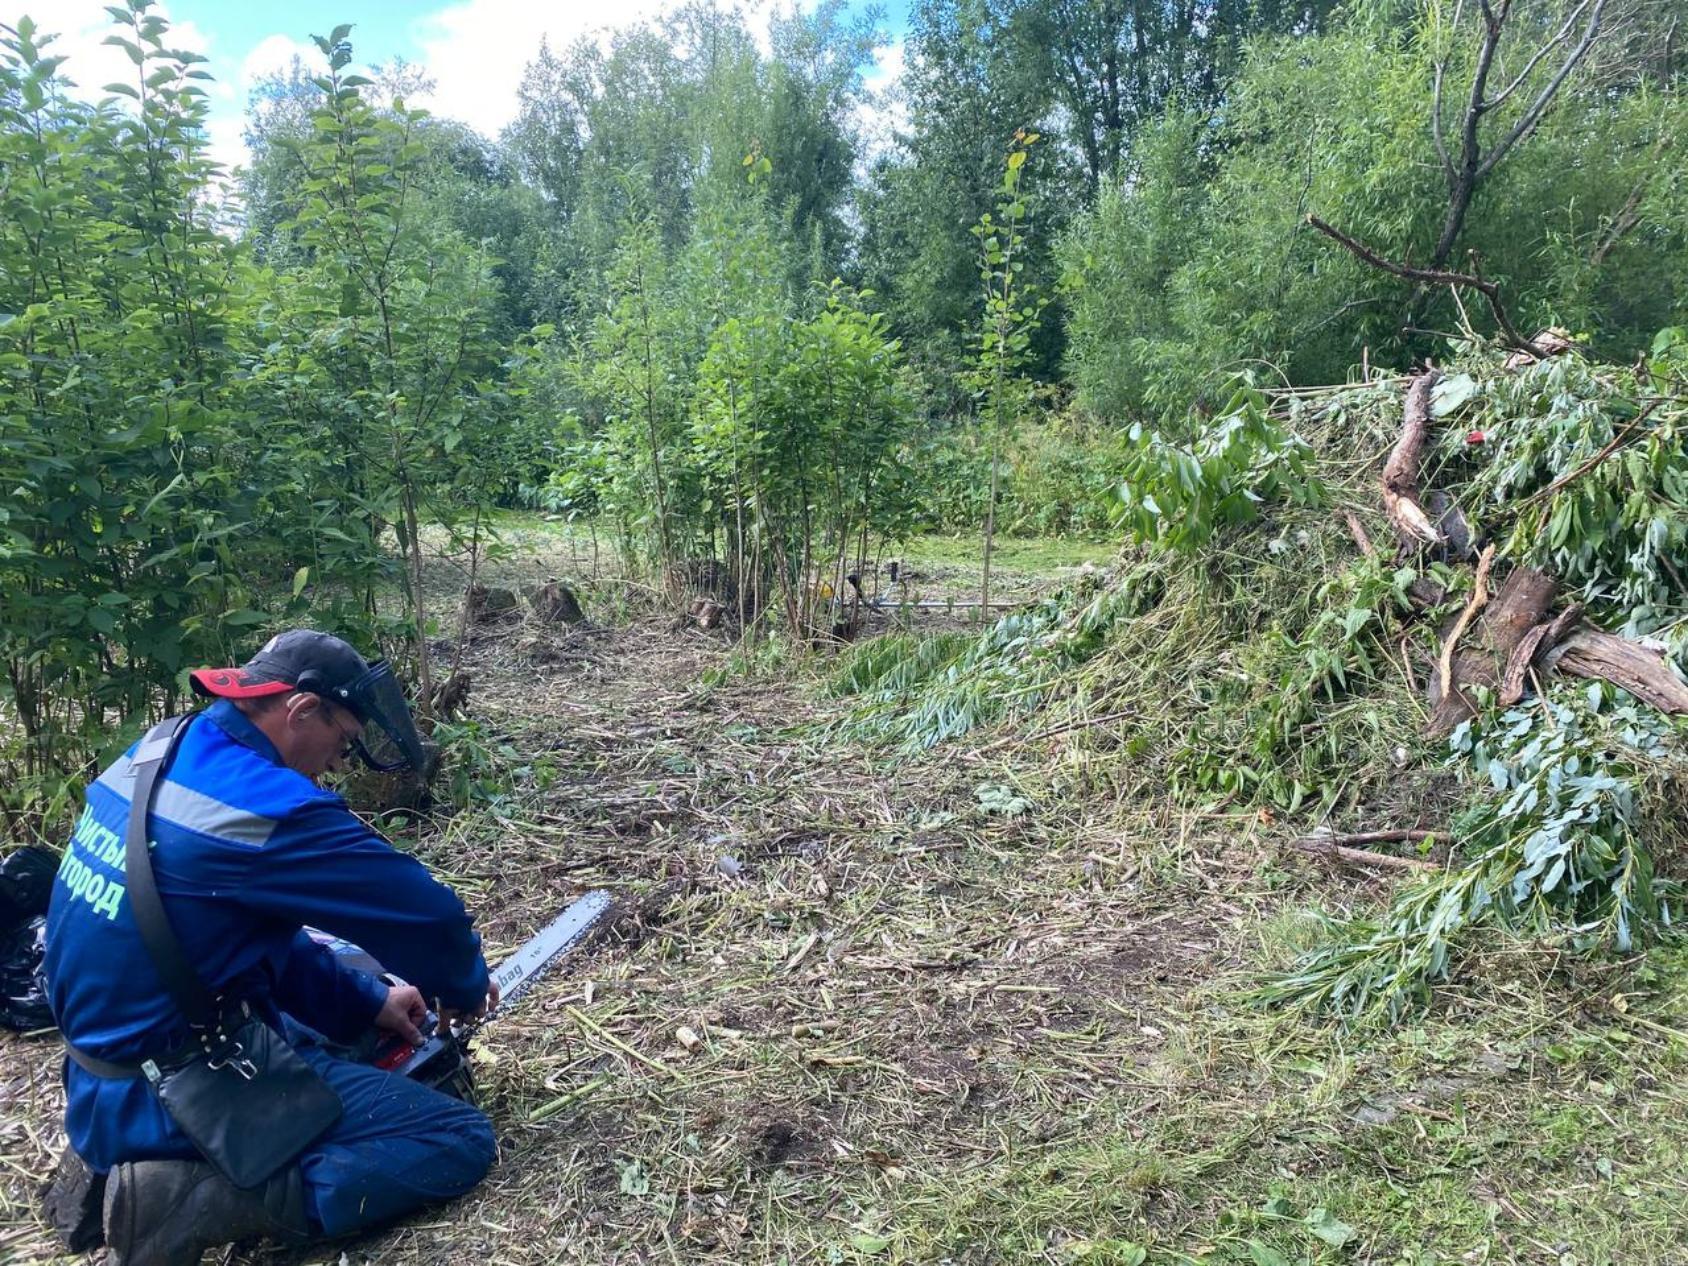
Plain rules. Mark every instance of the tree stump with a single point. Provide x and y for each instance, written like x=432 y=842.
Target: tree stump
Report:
x=556 y=603
x=488 y=604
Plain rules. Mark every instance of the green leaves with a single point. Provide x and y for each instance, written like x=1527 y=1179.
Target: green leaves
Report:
x=1332 y=1231
x=1181 y=494
x=1555 y=845
x=1594 y=487
x=192 y=445
x=128 y=46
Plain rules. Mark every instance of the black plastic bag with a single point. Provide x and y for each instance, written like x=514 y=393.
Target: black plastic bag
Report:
x=23 y=978
x=26 y=881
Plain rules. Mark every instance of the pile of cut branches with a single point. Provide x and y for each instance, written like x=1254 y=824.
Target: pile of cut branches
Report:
x=1501 y=685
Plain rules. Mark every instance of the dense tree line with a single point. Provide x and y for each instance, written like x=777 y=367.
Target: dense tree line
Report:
x=683 y=297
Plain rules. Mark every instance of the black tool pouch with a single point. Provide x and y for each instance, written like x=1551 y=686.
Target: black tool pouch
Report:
x=246 y=1099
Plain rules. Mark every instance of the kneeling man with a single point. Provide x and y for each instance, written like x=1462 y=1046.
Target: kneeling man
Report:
x=246 y=852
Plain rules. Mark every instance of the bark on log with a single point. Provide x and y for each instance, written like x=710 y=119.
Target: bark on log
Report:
x=1521 y=604
x=1400 y=472
x=1607 y=657
x=1536 y=644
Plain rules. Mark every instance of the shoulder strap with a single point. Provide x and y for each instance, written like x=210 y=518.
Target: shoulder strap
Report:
x=150 y=760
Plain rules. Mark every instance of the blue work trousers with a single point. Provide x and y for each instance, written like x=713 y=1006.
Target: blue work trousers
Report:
x=398 y=1146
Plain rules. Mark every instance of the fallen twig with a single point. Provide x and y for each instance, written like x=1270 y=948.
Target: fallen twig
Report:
x=1339 y=847
x=1357 y=530
x=1479 y=597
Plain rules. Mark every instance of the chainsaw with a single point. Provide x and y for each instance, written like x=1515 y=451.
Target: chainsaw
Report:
x=441 y=1061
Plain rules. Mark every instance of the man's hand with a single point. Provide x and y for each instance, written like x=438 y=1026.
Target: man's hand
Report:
x=451 y=1015
x=403 y=1010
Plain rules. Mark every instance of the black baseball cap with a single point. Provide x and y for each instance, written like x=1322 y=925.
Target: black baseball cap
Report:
x=299 y=659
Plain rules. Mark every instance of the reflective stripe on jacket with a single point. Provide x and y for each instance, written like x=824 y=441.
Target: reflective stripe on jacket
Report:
x=247 y=853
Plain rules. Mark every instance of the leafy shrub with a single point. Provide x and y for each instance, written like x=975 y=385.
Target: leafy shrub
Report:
x=1181 y=493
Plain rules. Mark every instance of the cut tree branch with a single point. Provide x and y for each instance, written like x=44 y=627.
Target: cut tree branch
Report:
x=1522 y=602
x=1400 y=473
x=1645 y=673
x=1435 y=277
x=1322 y=843
x=1536 y=644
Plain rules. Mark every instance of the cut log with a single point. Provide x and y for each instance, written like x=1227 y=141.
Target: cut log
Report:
x=1529 y=652
x=1645 y=673
x=490 y=604
x=705 y=614
x=1522 y=603
x=1400 y=473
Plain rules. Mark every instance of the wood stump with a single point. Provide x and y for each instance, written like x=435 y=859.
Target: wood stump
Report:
x=556 y=603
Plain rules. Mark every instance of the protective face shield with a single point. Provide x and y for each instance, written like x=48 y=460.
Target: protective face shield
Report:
x=389 y=740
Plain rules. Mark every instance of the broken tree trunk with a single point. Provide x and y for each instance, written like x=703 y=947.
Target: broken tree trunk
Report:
x=1401 y=496
x=1533 y=649
x=1515 y=633
x=1643 y=672
x=1483 y=655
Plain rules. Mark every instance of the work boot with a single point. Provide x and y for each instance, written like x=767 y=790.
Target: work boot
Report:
x=72 y=1201
x=167 y=1213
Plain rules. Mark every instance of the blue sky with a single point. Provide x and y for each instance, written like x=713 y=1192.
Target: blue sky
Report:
x=474 y=50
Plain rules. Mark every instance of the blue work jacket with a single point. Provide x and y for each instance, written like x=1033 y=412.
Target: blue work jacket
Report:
x=247 y=853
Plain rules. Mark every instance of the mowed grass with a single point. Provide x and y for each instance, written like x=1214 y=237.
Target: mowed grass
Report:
x=858 y=1009
x=942 y=565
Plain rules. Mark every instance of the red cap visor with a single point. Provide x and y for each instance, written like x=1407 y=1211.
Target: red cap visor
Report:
x=231 y=683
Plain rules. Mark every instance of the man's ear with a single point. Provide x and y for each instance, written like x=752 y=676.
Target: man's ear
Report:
x=302 y=706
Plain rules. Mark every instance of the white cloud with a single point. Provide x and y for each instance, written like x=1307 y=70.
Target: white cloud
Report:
x=884 y=112
x=273 y=55
x=475 y=50
x=81 y=27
